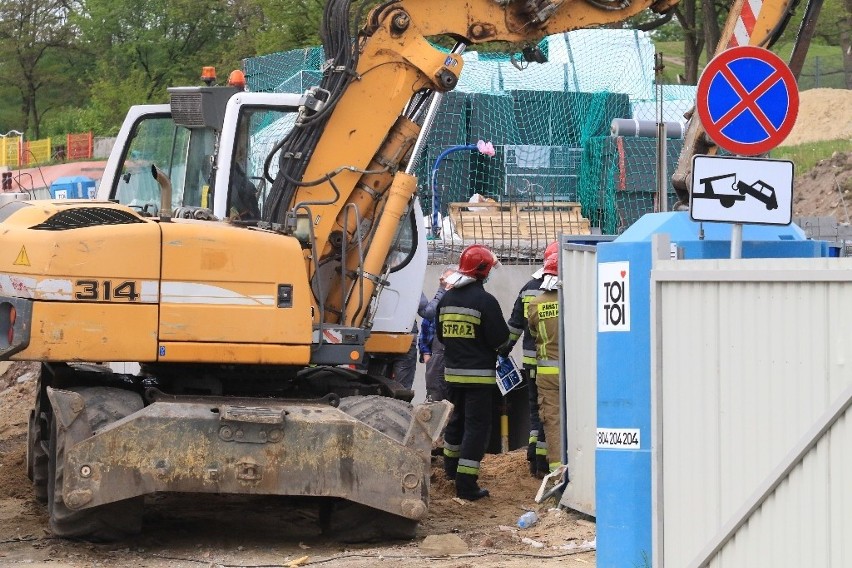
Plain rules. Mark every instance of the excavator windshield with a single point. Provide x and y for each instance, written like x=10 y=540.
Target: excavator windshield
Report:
x=259 y=130
x=186 y=155
x=176 y=150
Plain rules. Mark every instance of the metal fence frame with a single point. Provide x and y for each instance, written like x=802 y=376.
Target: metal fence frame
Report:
x=666 y=272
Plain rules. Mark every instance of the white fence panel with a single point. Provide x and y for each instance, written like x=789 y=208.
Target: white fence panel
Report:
x=578 y=299
x=752 y=367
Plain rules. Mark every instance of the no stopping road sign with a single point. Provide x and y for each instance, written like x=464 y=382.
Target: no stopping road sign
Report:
x=747 y=100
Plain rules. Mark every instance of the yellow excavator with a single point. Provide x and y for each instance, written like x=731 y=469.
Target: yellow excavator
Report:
x=262 y=365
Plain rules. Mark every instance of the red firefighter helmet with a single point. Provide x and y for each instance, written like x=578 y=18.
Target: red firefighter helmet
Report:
x=551 y=249
x=476 y=261
x=551 y=265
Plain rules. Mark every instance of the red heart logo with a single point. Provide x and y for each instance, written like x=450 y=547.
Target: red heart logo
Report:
x=623 y=273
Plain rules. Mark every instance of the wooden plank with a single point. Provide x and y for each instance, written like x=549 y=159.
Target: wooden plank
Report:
x=544 y=223
x=485 y=220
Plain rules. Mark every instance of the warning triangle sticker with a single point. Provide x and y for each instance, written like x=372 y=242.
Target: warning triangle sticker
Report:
x=23 y=259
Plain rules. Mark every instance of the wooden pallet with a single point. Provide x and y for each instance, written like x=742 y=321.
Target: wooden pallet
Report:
x=486 y=220
x=522 y=219
x=546 y=220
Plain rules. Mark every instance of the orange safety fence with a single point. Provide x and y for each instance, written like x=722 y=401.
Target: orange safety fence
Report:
x=15 y=153
x=79 y=146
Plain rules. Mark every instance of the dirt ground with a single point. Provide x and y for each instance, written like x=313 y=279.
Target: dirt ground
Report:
x=824 y=114
x=215 y=531
x=825 y=190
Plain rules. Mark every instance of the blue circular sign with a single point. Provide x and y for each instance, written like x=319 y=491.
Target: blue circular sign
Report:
x=747 y=100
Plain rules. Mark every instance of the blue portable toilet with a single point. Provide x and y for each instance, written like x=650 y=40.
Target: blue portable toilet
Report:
x=73 y=187
x=623 y=502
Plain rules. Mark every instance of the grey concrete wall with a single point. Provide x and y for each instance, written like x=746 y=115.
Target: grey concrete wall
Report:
x=102 y=147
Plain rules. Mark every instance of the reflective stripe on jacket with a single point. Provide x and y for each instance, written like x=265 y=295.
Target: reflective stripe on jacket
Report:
x=518 y=319
x=544 y=327
x=472 y=328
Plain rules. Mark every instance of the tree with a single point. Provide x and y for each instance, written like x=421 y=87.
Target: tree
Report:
x=712 y=12
x=144 y=46
x=696 y=25
x=290 y=24
x=693 y=39
x=34 y=37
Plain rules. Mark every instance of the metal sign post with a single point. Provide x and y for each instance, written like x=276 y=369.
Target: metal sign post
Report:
x=662 y=166
x=737 y=240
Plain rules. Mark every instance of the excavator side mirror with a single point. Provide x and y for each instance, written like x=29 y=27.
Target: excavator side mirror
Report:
x=532 y=54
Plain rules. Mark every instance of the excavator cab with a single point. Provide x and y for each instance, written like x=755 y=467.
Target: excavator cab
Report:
x=135 y=186
x=183 y=140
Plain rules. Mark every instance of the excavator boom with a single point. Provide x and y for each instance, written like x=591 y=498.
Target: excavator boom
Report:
x=343 y=178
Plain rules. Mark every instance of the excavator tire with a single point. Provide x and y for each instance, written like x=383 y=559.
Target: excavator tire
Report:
x=389 y=416
x=104 y=523
x=349 y=522
x=38 y=434
x=37 y=460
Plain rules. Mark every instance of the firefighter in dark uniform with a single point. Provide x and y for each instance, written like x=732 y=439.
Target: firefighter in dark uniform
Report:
x=537 y=448
x=472 y=329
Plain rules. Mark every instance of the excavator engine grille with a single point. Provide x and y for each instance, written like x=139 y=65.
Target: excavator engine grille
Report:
x=81 y=217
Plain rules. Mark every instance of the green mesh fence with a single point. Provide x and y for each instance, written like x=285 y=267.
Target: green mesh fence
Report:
x=284 y=72
x=616 y=190
x=556 y=168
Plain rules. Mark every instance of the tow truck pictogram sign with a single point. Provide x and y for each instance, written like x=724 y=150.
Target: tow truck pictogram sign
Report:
x=741 y=190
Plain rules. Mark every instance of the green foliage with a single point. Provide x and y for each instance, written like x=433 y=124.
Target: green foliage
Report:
x=806 y=156
x=830 y=24
x=830 y=58
x=65 y=120
x=145 y=46
x=113 y=95
x=289 y=25
x=79 y=64
x=35 y=43
x=670 y=31
x=10 y=109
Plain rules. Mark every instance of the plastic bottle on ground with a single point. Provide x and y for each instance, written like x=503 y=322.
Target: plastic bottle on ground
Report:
x=527 y=520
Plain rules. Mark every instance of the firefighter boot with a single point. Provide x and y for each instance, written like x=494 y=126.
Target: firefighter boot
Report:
x=542 y=468
x=467 y=488
x=531 y=455
x=450 y=465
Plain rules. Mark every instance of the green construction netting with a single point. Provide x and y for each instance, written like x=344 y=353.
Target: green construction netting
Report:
x=550 y=125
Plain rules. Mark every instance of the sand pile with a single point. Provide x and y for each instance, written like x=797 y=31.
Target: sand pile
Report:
x=824 y=114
